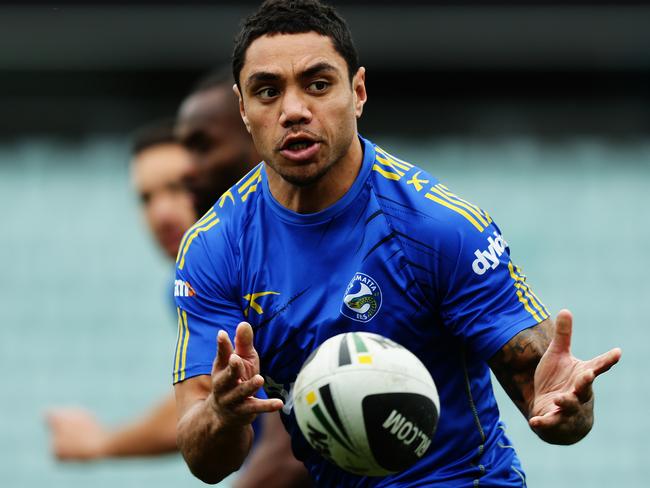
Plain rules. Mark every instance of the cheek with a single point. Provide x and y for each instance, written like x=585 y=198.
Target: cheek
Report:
x=151 y=219
x=263 y=138
x=184 y=206
x=339 y=113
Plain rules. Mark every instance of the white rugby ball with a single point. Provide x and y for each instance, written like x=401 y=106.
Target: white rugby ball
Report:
x=366 y=404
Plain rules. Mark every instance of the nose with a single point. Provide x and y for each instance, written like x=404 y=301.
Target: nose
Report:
x=294 y=109
x=161 y=211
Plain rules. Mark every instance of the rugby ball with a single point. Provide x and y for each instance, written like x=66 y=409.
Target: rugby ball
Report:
x=366 y=404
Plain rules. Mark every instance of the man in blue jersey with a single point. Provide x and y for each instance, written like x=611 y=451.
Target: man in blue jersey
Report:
x=273 y=261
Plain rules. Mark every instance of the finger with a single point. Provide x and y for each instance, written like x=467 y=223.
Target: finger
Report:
x=254 y=406
x=226 y=379
x=236 y=370
x=561 y=342
x=582 y=388
x=224 y=350
x=244 y=339
x=567 y=403
x=245 y=412
x=242 y=391
x=601 y=364
x=547 y=420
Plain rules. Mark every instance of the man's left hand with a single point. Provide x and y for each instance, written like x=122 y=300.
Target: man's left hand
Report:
x=562 y=408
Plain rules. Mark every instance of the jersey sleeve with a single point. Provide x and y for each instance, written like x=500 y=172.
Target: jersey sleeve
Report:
x=205 y=296
x=485 y=298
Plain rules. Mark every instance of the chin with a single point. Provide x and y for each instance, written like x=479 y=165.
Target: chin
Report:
x=304 y=176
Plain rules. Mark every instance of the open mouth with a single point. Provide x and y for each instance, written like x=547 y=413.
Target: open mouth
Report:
x=298 y=142
x=299 y=145
x=299 y=148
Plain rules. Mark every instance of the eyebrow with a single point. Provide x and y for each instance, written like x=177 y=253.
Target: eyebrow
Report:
x=261 y=77
x=318 y=68
x=267 y=76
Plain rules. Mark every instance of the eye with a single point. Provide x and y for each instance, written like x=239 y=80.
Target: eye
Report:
x=176 y=187
x=198 y=142
x=267 y=93
x=319 y=86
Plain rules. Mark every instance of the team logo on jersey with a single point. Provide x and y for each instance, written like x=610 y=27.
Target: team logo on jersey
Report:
x=252 y=303
x=183 y=289
x=489 y=259
x=362 y=299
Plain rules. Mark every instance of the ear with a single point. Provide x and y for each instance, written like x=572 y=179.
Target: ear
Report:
x=242 y=110
x=359 y=89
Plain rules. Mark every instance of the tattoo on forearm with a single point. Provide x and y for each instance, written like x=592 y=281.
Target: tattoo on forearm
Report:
x=514 y=365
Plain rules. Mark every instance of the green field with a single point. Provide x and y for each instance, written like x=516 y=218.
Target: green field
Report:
x=88 y=320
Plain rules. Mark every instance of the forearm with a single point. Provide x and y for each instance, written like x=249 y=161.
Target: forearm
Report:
x=516 y=367
x=211 y=450
x=153 y=434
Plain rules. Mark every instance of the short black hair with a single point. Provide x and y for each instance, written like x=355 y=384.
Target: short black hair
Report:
x=295 y=17
x=218 y=77
x=153 y=134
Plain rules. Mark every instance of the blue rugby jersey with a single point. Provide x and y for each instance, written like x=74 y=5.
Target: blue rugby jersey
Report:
x=398 y=255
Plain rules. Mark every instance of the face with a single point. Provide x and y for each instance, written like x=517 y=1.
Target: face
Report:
x=210 y=128
x=297 y=102
x=157 y=174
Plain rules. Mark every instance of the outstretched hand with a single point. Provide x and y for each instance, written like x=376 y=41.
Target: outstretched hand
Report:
x=562 y=410
x=76 y=434
x=236 y=378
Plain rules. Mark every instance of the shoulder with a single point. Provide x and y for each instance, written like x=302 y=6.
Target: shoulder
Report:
x=214 y=237
x=421 y=207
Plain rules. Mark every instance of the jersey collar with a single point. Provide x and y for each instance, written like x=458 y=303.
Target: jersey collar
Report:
x=334 y=209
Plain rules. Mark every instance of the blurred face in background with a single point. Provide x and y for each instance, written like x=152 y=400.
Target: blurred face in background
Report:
x=158 y=173
x=209 y=126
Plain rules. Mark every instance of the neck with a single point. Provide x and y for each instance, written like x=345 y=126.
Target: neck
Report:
x=324 y=192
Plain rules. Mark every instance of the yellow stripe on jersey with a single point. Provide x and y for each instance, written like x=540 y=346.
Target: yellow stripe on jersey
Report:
x=195 y=233
x=395 y=160
x=460 y=204
x=446 y=203
x=390 y=164
x=386 y=174
x=537 y=303
x=210 y=214
x=186 y=340
x=250 y=184
x=223 y=197
x=179 y=340
x=522 y=293
x=480 y=214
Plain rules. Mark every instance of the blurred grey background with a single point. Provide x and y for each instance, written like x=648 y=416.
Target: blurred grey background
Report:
x=538 y=111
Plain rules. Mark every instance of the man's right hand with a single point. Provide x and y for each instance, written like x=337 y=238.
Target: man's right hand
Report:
x=215 y=412
x=236 y=378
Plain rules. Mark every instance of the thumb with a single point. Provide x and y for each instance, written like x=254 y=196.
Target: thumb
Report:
x=561 y=342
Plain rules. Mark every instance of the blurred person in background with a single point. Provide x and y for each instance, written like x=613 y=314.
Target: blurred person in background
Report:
x=210 y=127
x=159 y=168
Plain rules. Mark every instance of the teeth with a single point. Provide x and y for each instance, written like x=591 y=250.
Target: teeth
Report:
x=297 y=146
